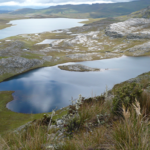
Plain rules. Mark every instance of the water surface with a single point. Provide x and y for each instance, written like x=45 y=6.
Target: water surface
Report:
x=44 y=89
x=30 y=26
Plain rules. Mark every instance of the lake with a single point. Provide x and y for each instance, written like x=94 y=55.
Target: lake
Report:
x=30 y=26
x=42 y=90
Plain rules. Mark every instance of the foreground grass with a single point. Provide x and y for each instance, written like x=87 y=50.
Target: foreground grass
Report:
x=95 y=127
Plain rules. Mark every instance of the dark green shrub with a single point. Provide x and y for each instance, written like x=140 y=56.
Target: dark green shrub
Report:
x=73 y=125
x=126 y=96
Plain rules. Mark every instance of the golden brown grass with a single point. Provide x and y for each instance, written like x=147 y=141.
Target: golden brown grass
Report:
x=133 y=132
x=31 y=138
x=145 y=103
x=88 y=140
x=128 y=133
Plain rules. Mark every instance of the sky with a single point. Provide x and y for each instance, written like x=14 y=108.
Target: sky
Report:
x=53 y=2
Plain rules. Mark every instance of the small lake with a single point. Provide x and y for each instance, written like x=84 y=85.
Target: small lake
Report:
x=45 y=89
x=30 y=26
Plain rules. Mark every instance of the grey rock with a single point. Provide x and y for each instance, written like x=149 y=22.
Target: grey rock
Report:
x=86 y=56
x=12 y=49
x=47 y=58
x=139 y=50
x=77 y=67
x=59 y=122
x=135 y=28
x=48 y=147
x=18 y=64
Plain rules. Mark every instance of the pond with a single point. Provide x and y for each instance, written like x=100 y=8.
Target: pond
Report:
x=30 y=26
x=42 y=90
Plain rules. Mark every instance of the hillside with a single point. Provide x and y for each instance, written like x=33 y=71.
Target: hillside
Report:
x=87 y=11
x=144 y=13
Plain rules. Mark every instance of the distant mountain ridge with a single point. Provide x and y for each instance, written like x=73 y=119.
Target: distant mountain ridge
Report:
x=87 y=11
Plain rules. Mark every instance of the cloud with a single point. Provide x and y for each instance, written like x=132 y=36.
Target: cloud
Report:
x=53 y=2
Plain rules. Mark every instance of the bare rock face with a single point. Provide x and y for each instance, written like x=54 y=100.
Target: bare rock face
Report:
x=78 y=68
x=135 y=28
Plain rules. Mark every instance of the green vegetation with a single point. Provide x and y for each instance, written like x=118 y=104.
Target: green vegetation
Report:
x=89 y=124
x=126 y=96
x=6 y=18
x=11 y=120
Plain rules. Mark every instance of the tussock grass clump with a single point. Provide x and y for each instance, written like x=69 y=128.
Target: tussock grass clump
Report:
x=88 y=140
x=88 y=113
x=94 y=120
x=30 y=138
x=133 y=131
x=145 y=103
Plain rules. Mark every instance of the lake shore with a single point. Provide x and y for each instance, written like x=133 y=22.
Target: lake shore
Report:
x=61 y=51
x=8 y=124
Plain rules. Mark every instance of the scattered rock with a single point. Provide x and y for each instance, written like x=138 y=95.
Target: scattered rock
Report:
x=18 y=64
x=47 y=58
x=47 y=147
x=139 y=50
x=86 y=56
x=59 y=122
x=135 y=28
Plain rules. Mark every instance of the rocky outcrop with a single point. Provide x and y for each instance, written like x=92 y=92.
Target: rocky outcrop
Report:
x=135 y=28
x=78 y=68
x=18 y=64
x=139 y=50
x=13 y=49
x=86 y=56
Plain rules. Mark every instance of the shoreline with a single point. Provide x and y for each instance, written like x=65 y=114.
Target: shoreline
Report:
x=8 y=123
x=20 y=119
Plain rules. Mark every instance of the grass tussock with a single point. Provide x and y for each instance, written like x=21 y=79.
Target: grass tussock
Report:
x=132 y=132
x=145 y=103
x=87 y=141
x=31 y=138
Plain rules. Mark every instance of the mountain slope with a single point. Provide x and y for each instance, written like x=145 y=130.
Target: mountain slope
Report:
x=90 y=11
x=144 y=13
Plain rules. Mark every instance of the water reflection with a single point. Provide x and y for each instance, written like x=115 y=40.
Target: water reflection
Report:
x=44 y=89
